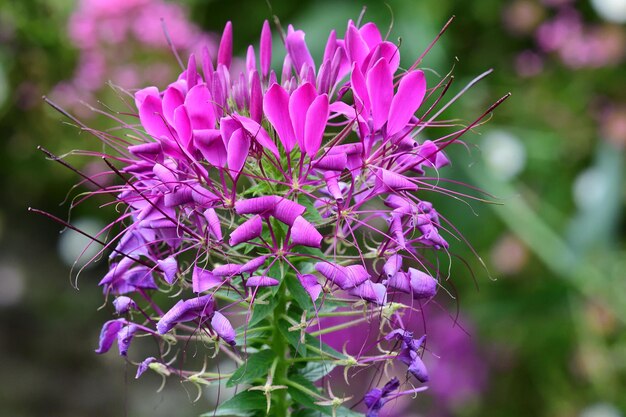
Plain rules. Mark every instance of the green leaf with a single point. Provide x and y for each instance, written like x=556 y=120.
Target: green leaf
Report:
x=316 y=370
x=304 y=399
x=244 y=404
x=257 y=366
x=317 y=343
x=293 y=337
x=261 y=311
x=312 y=214
x=298 y=292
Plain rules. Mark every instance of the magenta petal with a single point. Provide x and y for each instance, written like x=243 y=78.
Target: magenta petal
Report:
x=355 y=275
x=380 y=89
x=375 y=293
x=310 y=285
x=211 y=145
x=183 y=126
x=316 y=118
x=407 y=100
x=360 y=91
x=256 y=98
x=299 y=103
x=298 y=51
x=370 y=34
x=259 y=134
x=172 y=99
x=123 y=304
x=286 y=210
x=225 y=52
x=152 y=119
x=213 y=223
x=332 y=185
x=331 y=271
x=337 y=162
x=199 y=104
x=238 y=148
x=399 y=281
x=304 y=233
x=266 y=49
x=248 y=230
x=226 y=270
x=253 y=265
x=276 y=108
x=166 y=176
x=203 y=280
x=261 y=281
x=192 y=71
x=140 y=96
x=256 y=205
x=169 y=268
x=186 y=310
x=355 y=45
x=223 y=328
x=393 y=181
x=393 y=265
x=422 y=284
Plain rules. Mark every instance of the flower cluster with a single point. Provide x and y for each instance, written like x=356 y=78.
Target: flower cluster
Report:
x=264 y=203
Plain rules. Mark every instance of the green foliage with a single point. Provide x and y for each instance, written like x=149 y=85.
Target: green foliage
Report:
x=255 y=367
x=244 y=404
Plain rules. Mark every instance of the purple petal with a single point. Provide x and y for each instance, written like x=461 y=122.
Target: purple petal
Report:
x=140 y=96
x=310 y=285
x=256 y=98
x=380 y=89
x=238 y=148
x=430 y=151
x=418 y=369
x=182 y=124
x=355 y=45
x=207 y=66
x=286 y=211
x=223 y=328
x=108 y=334
x=333 y=186
x=333 y=272
x=407 y=100
x=266 y=49
x=124 y=337
x=225 y=52
x=178 y=197
x=166 y=175
x=276 y=108
x=355 y=275
x=253 y=264
x=226 y=270
x=256 y=205
x=203 y=280
x=214 y=223
x=360 y=91
x=422 y=284
x=259 y=134
x=199 y=104
x=250 y=60
x=299 y=103
x=316 y=118
x=200 y=307
x=375 y=293
x=211 y=145
x=393 y=265
x=148 y=150
x=304 y=233
x=248 y=230
x=337 y=162
x=123 y=304
x=169 y=267
x=399 y=281
x=261 y=281
x=143 y=366
x=192 y=71
x=298 y=51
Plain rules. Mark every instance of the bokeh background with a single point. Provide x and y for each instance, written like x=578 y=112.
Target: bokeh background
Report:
x=542 y=321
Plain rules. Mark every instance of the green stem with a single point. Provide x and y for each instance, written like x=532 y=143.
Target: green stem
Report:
x=279 y=345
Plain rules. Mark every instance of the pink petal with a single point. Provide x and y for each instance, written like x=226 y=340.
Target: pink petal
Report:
x=360 y=91
x=355 y=45
x=152 y=119
x=207 y=66
x=183 y=126
x=259 y=134
x=192 y=71
x=304 y=233
x=266 y=49
x=199 y=104
x=380 y=89
x=387 y=50
x=276 y=106
x=407 y=100
x=225 y=52
x=248 y=230
x=332 y=184
x=250 y=59
x=316 y=118
x=211 y=145
x=238 y=148
x=261 y=281
x=140 y=96
x=256 y=98
x=329 y=162
x=299 y=104
x=370 y=34
x=172 y=99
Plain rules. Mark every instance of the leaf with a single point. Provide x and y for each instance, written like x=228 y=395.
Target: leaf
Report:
x=293 y=337
x=261 y=311
x=244 y=404
x=316 y=370
x=257 y=366
x=302 y=398
x=312 y=214
x=317 y=343
x=298 y=292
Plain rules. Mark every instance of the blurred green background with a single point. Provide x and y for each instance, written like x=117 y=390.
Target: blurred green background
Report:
x=546 y=323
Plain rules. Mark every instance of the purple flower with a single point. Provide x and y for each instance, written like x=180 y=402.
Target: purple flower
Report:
x=201 y=308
